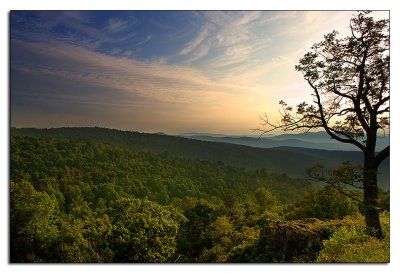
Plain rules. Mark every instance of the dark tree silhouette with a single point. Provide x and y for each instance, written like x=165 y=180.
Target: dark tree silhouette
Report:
x=349 y=78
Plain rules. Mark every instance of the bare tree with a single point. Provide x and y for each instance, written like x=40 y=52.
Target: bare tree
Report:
x=349 y=79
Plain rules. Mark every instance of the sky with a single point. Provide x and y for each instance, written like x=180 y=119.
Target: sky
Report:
x=161 y=71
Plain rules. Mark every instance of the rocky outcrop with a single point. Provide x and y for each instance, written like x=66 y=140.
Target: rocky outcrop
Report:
x=293 y=241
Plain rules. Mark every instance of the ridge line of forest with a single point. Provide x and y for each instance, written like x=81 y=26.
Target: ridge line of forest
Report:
x=285 y=160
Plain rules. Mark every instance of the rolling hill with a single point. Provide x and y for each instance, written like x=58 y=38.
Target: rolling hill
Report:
x=291 y=161
x=312 y=140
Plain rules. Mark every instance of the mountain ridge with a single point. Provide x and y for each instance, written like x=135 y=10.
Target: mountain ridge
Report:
x=291 y=161
x=317 y=140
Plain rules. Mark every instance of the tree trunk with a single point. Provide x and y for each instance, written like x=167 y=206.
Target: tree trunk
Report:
x=371 y=197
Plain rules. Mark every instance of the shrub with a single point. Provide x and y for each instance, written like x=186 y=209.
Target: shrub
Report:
x=352 y=244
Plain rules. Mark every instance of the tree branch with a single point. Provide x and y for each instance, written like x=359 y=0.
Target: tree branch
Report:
x=382 y=155
x=328 y=129
x=357 y=101
x=286 y=126
x=337 y=92
x=326 y=181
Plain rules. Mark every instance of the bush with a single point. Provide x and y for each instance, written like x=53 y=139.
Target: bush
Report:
x=352 y=244
x=143 y=231
x=325 y=204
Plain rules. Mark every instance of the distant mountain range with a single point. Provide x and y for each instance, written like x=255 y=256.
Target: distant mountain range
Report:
x=291 y=161
x=312 y=140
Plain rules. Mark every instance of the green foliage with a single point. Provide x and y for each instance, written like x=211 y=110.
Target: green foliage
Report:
x=244 y=253
x=221 y=230
x=287 y=160
x=216 y=254
x=213 y=231
x=346 y=175
x=143 y=231
x=325 y=203
x=71 y=246
x=100 y=174
x=81 y=201
x=193 y=235
x=384 y=200
x=32 y=226
x=265 y=199
x=353 y=245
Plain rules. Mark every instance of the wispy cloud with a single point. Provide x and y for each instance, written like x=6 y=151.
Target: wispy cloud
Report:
x=76 y=28
x=231 y=27
x=127 y=37
x=239 y=54
x=249 y=17
x=152 y=80
x=199 y=53
x=93 y=67
x=228 y=33
x=279 y=15
x=117 y=25
x=234 y=39
x=73 y=77
x=195 y=42
x=148 y=37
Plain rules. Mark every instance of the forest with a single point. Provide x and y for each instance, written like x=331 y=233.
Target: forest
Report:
x=291 y=161
x=75 y=199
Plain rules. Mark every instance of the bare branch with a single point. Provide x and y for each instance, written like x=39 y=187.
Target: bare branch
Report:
x=326 y=181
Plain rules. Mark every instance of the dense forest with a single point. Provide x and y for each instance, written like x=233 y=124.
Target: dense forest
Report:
x=77 y=199
x=291 y=161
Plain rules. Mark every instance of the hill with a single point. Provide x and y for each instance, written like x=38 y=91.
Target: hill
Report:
x=79 y=167
x=312 y=140
x=96 y=195
x=289 y=161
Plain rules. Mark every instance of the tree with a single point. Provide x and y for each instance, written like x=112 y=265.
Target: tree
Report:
x=325 y=203
x=265 y=199
x=349 y=79
x=143 y=231
x=193 y=235
x=32 y=228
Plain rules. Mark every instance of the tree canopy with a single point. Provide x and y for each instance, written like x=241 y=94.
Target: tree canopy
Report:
x=78 y=201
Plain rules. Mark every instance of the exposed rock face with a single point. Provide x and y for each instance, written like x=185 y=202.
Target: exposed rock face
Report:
x=293 y=241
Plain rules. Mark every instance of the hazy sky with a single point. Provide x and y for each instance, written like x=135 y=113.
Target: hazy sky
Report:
x=170 y=71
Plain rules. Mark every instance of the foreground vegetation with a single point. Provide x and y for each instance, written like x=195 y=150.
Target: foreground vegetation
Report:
x=80 y=201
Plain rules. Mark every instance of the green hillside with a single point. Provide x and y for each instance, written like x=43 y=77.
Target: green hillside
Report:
x=285 y=160
x=65 y=165
x=76 y=199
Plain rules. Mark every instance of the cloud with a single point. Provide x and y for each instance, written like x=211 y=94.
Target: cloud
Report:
x=195 y=42
x=235 y=39
x=66 y=27
x=237 y=65
x=79 y=85
x=117 y=25
x=156 y=80
x=278 y=16
x=232 y=27
x=199 y=53
x=127 y=37
x=148 y=37
x=226 y=32
x=249 y=17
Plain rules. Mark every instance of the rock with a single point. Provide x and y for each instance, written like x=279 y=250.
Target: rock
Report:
x=293 y=241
